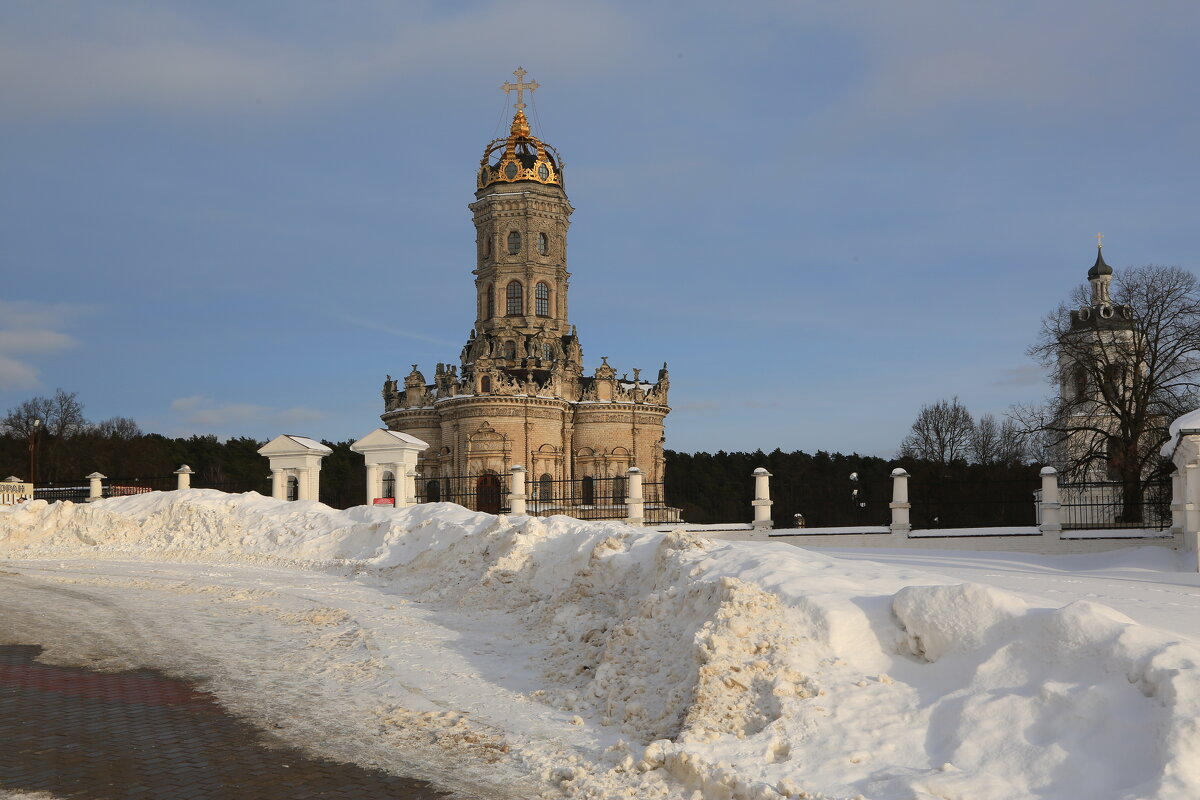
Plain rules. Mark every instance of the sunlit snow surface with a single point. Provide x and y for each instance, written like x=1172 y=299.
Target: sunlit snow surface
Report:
x=525 y=658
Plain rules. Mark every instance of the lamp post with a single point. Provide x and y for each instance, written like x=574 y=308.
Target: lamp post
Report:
x=33 y=432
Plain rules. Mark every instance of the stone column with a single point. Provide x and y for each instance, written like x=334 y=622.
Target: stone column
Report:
x=517 y=496
x=635 y=503
x=279 y=484
x=762 y=500
x=901 y=523
x=184 y=477
x=1051 y=508
x=408 y=495
x=310 y=483
x=95 y=488
x=1178 y=512
x=374 y=485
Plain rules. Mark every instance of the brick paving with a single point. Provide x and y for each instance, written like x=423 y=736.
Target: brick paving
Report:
x=74 y=733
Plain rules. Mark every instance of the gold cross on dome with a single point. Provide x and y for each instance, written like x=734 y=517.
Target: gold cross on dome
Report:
x=520 y=86
x=1099 y=240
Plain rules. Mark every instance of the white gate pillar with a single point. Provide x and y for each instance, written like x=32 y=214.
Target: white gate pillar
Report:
x=184 y=477
x=95 y=488
x=516 y=497
x=1191 y=529
x=394 y=452
x=635 y=503
x=1051 y=506
x=901 y=523
x=762 y=499
x=298 y=456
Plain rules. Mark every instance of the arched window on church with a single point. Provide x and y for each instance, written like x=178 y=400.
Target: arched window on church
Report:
x=1080 y=378
x=543 y=244
x=546 y=487
x=485 y=384
x=514 y=243
x=541 y=296
x=587 y=488
x=510 y=350
x=433 y=491
x=618 y=491
x=490 y=302
x=516 y=299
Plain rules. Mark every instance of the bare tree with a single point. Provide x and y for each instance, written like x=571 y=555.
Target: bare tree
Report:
x=941 y=433
x=996 y=442
x=118 y=428
x=1124 y=370
x=19 y=421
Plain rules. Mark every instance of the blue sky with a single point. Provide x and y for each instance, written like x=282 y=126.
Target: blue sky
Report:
x=238 y=217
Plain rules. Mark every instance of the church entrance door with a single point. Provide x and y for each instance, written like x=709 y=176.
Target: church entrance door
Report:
x=487 y=494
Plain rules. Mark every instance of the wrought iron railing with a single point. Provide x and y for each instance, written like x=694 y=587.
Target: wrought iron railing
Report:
x=487 y=492
x=1106 y=505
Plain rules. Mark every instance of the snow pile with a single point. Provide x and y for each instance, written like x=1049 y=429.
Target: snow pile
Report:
x=728 y=670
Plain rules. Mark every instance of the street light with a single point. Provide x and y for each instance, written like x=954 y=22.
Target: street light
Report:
x=33 y=432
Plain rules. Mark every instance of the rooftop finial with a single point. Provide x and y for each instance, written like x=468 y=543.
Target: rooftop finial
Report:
x=1099 y=240
x=520 y=86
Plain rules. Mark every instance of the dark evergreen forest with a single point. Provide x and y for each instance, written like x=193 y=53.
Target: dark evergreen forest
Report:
x=828 y=489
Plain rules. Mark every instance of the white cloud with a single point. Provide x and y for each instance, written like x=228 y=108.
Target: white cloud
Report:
x=16 y=374
x=26 y=329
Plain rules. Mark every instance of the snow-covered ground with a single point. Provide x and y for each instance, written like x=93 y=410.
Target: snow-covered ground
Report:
x=538 y=658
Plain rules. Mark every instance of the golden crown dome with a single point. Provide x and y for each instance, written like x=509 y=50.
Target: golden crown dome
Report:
x=520 y=156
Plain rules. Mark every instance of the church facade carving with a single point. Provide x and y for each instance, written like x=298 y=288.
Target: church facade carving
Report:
x=519 y=395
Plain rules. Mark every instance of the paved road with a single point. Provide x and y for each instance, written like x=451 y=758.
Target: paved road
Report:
x=75 y=733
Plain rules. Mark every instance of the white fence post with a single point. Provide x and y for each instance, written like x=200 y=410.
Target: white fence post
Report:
x=1178 y=512
x=901 y=524
x=635 y=504
x=184 y=477
x=517 y=496
x=1051 y=506
x=95 y=488
x=762 y=500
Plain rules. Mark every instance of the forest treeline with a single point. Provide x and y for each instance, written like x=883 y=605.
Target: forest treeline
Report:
x=828 y=489
x=709 y=487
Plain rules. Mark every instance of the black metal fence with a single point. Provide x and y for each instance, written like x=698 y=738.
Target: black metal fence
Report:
x=849 y=503
x=73 y=491
x=1107 y=505
x=488 y=492
x=973 y=504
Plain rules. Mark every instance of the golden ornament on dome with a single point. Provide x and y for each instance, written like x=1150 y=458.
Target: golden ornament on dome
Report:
x=520 y=156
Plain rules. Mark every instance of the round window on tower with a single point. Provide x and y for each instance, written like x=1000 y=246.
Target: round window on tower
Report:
x=514 y=243
x=510 y=170
x=483 y=175
x=543 y=243
x=543 y=173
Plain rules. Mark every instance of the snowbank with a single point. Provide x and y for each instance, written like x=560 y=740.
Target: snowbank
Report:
x=730 y=670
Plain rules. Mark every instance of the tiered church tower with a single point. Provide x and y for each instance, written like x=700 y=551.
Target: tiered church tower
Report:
x=519 y=395
x=1098 y=365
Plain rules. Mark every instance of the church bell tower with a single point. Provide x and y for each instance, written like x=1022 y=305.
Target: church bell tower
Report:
x=521 y=215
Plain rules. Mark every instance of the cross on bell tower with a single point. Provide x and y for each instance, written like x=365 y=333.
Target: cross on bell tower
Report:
x=520 y=86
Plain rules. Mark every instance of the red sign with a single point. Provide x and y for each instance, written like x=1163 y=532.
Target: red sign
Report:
x=385 y=501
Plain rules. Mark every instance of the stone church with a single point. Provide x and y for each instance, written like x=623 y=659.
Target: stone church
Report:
x=519 y=395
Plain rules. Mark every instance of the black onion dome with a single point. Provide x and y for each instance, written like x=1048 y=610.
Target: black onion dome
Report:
x=1099 y=268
